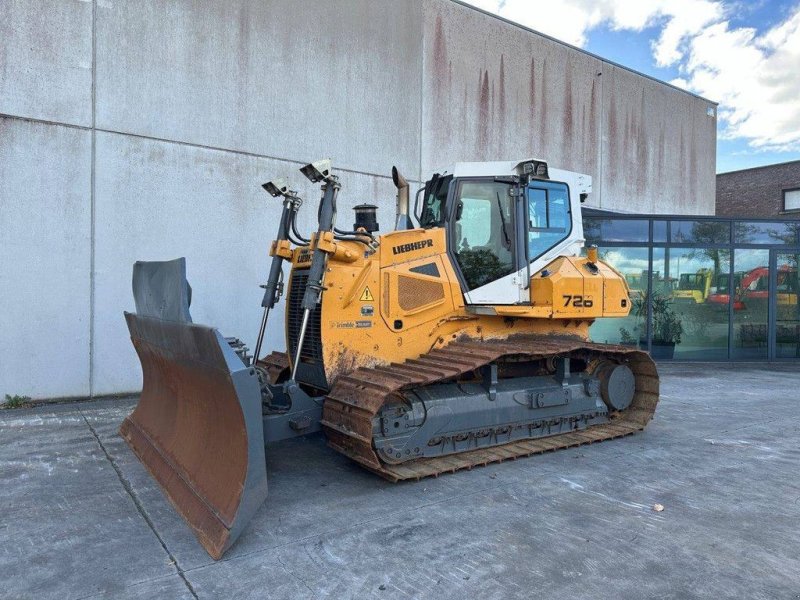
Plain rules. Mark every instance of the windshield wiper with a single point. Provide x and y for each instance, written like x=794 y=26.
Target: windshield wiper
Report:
x=503 y=223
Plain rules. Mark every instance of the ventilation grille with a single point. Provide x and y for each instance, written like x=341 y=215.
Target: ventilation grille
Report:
x=312 y=345
x=413 y=293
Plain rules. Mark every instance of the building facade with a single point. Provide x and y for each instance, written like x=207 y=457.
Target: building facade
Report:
x=703 y=288
x=769 y=192
x=142 y=130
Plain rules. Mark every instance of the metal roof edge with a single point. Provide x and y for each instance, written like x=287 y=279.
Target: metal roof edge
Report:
x=600 y=213
x=779 y=164
x=581 y=50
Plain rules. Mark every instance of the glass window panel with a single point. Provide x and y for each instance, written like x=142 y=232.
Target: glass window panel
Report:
x=787 y=311
x=591 y=230
x=765 y=233
x=791 y=199
x=659 y=231
x=750 y=304
x=662 y=283
x=549 y=215
x=630 y=330
x=484 y=232
x=701 y=232
x=616 y=230
x=692 y=319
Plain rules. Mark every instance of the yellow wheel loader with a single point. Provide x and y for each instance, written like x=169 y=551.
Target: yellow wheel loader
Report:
x=460 y=342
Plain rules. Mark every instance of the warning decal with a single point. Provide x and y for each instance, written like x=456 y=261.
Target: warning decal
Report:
x=366 y=296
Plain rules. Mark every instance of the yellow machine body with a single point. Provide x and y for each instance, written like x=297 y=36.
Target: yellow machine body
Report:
x=694 y=287
x=387 y=307
x=418 y=352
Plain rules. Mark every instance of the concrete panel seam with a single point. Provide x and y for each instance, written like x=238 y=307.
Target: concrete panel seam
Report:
x=92 y=203
x=187 y=144
x=421 y=88
x=239 y=152
x=126 y=484
x=601 y=139
x=44 y=121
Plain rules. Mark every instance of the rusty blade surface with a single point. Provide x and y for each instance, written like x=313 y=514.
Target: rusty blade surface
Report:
x=197 y=428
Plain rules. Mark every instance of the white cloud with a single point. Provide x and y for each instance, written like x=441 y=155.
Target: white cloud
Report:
x=755 y=77
x=571 y=20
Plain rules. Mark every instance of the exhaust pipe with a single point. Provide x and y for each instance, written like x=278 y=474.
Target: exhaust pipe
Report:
x=403 y=219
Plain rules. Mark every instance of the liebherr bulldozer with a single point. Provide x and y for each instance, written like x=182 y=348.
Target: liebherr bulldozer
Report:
x=433 y=348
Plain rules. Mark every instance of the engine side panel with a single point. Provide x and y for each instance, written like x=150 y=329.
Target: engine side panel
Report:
x=404 y=299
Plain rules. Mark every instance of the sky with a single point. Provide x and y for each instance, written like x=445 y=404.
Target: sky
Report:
x=743 y=54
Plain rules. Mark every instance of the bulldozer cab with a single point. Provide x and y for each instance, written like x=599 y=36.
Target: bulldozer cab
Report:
x=504 y=222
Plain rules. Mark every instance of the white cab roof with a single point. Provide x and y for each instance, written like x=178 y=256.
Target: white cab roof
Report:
x=582 y=182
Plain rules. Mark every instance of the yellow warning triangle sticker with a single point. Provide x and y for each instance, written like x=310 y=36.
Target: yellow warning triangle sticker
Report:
x=366 y=296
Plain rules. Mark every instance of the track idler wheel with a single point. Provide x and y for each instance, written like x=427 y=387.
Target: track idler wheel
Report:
x=617 y=384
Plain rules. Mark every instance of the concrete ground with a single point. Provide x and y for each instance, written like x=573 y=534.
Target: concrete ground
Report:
x=80 y=518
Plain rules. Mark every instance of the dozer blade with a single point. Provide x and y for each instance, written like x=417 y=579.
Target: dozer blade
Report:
x=197 y=427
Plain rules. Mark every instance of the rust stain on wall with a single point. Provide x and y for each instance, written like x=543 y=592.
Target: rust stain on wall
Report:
x=661 y=153
x=441 y=68
x=483 y=114
x=590 y=133
x=543 y=111
x=439 y=48
x=613 y=136
x=642 y=150
x=243 y=63
x=693 y=173
x=533 y=125
x=568 y=118
x=464 y=112
x=682 y=172
x=501 y=106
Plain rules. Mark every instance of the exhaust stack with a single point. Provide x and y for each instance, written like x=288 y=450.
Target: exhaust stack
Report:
x=403 y=219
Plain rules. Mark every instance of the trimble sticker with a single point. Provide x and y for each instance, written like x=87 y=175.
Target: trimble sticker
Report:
x=403 y=248
x=352 y=324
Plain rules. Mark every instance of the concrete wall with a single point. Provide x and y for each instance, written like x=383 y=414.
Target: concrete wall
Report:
x=757 y=192
x=142 y=130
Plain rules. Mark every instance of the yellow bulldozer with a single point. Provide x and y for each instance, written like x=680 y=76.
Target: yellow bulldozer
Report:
x=451 y=344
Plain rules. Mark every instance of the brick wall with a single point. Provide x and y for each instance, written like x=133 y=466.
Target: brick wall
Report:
x=757 y=192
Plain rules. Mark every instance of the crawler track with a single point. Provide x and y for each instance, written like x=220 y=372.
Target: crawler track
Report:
x=277 y=366
x=356 y=398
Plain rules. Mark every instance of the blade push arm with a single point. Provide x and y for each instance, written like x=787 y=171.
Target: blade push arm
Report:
x=319 y=171
x=280 y=251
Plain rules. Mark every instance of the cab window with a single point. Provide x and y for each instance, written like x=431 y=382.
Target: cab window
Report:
x=484 y=231
x=549 y=219
x=433 y=204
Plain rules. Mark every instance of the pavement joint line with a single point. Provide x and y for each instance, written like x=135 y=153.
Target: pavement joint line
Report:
x=104 y=594
x=335 y=530
x=139 y=507
x=295 y=576
x=552 y=473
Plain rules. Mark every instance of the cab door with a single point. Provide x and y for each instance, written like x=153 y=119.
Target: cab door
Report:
x=501 y=232
x=482 y=238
